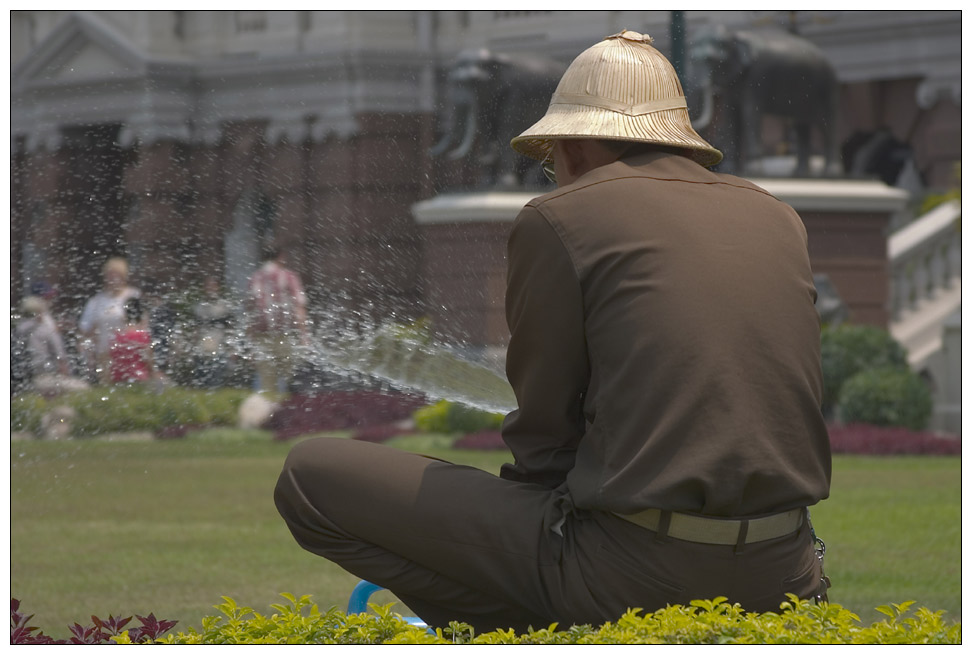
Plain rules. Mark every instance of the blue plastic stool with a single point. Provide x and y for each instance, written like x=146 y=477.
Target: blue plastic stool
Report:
x=358 y=603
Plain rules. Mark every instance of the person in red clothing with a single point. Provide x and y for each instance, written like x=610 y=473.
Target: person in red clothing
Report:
x=131 y=348
x=277 y=325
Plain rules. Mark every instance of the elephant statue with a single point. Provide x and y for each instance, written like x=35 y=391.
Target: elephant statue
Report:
x=756 y=74
x=879 y=153
x=490 y=99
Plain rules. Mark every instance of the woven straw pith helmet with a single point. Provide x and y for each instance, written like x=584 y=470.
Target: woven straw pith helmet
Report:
x=620 y=89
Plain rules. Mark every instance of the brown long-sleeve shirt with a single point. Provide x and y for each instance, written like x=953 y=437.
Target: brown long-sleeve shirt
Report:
x=665 y=349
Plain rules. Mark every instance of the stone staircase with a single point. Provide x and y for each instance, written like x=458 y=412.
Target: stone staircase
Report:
x=925 y=259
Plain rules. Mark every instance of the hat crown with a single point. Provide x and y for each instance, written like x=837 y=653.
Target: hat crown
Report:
x=621 y=89
x=624 y=69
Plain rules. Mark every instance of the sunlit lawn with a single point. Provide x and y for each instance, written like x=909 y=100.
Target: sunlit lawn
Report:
x=102 y=527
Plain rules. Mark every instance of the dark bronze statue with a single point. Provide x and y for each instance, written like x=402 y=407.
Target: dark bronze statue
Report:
x=741 y=77
x=490 y=98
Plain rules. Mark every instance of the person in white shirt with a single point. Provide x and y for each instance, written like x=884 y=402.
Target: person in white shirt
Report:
x=45 y=360
x=103 y=315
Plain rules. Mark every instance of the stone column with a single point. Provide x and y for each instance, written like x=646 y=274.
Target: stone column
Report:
x=363 y=249
x=162 y=244
x=52 y=224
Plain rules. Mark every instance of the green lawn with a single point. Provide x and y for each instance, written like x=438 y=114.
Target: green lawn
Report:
x=112 y=527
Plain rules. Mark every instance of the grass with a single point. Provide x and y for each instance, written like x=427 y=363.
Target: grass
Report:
x=112 y=527
x=893 y=529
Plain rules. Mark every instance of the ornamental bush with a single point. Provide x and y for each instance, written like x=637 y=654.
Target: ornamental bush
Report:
x=99 y=631
x=702 y=622
x=847 y=350
x=448 y=417
x=715 y=621
x=136 y=408
x=886 y=396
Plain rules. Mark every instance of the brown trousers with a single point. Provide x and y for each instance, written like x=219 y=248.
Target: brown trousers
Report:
x=457 y=543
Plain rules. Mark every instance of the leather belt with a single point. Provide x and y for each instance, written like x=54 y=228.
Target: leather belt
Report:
x=724 y=532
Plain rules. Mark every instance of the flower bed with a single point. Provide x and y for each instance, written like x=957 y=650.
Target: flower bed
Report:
x=701 y=622
x=853 y=439
x=863 y=439
x=383 y=432
x=340 y=410
x=482 y=440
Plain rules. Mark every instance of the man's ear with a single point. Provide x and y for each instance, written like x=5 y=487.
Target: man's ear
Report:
x=574 y=156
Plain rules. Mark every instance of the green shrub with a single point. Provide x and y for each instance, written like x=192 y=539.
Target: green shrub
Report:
x=954 y=192
x=886 y=396
x=103 y=410
x=230 y=435
x=849 y=349
x=448 y=418
x=703 y=622
x=432 y=418
x=26 y=411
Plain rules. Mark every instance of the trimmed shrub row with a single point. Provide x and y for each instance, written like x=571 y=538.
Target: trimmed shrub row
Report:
x=373 y=416
x=851 y=439
x=177 y=410
x=702 y=622
x=137 y=408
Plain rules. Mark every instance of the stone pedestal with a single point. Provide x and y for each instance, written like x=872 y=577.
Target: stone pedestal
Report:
x=464 y=264
x=847 y=225
x=464 y=251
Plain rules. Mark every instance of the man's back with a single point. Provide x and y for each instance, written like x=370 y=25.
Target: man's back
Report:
x=701 y=337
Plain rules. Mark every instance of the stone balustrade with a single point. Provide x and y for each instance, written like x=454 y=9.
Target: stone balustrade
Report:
x=925 y=257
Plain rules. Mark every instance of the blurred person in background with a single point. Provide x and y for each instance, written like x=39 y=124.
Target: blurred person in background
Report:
x=211 y=355
x=103 y=314
x=276 y=320
x=39 y=360
x=131 y=358
x=162 y=322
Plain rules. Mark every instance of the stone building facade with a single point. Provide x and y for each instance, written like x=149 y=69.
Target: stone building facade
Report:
x=186 y=139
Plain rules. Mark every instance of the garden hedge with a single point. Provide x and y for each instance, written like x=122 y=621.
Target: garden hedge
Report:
x=702 y=622
x=104 y=410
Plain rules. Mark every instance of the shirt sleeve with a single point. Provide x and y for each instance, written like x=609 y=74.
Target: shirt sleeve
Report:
x=546 y=361
x=86 y=322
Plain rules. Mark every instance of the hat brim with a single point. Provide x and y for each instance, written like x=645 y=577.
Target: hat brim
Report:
x=670 y=127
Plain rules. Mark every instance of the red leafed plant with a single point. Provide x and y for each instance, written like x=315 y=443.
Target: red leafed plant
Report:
x=863 y=439
x=340 y=410
x=100 y=632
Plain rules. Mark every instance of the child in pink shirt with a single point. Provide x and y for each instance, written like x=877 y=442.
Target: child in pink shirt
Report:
x=131 y=349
